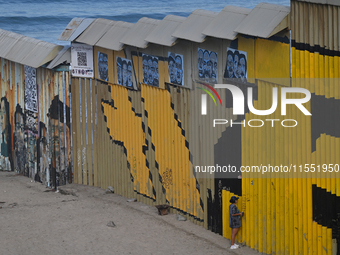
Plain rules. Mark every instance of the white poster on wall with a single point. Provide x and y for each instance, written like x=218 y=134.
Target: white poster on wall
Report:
x=176 y=72
x=236 y=66
x=82 y=60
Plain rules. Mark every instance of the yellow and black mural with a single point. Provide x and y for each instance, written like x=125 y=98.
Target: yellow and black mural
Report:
x=159 y=138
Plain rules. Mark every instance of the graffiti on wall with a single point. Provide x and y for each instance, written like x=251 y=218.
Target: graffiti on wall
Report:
x=44 y=155
x=25 y=125
x=5 y=138
x=32 y=122
x=19 y=141
x=103 y=69
x=31 y=95
x=150 y=70
x=236 y=66
x=207 y=66
x=60 y=156
x=175 y=63
x=124 y=72
x=32 y=155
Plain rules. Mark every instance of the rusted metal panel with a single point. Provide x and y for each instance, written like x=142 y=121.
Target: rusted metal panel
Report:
x=36 y=130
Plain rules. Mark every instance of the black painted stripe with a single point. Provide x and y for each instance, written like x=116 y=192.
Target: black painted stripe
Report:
x=144 y=195
x=315 y=48
x=201 y=204
x=190 y=157
x=154 y=192
x=144 y=149
x=150 y=176
x=186 y=144
x=146 y=113
x=110 y=103
x=326 y=210
x=186 y=213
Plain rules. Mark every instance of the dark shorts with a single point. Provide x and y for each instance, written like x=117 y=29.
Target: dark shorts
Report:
x=235 y=222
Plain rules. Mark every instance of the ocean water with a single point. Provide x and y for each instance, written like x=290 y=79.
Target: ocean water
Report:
x=46 y=19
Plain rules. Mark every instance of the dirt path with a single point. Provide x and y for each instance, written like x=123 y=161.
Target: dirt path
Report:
x=33 y=221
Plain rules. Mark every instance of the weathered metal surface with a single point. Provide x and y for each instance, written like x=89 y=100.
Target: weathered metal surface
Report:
x=137 y=34
x=263 y=20
x=35 y=108
x=63 y=57
x=95 y=31
x=191 y=29
x=75 y=28
x=330 y=2
x=111 y=39
x=162 y=34
x=224 y=24
x=148 y=143
x=25 y=50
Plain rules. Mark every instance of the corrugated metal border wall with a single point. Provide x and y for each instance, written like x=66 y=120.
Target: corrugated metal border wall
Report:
x=147 y=143
x=38 y=144
x=315 y=54
x=147 y=131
